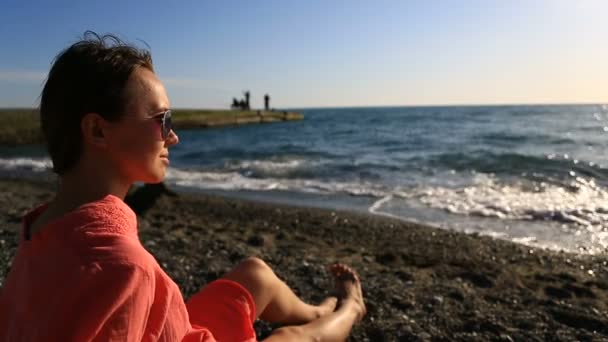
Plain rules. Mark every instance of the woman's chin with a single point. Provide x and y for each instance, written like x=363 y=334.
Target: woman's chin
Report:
x=154 y=178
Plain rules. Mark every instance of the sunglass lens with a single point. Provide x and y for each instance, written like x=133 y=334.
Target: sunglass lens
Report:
x=167 y=124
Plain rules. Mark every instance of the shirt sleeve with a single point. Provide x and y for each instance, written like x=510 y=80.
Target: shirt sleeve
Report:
x=125 y=302
x=112 y=302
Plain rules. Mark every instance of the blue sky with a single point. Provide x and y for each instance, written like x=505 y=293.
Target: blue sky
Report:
x=320 y=53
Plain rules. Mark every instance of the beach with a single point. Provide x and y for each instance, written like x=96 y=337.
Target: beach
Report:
x=420 y=283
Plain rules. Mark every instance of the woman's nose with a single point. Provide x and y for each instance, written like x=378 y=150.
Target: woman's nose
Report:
x=172 y=139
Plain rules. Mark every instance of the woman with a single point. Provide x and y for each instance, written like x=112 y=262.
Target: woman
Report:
x=81 y=273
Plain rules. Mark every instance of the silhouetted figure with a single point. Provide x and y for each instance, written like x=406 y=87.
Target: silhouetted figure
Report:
x=242 y=104
x=266 y=102
x=247 y=107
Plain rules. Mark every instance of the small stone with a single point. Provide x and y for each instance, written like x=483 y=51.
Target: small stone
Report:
x=424 y=336
x=505 y=337
x=256 y=241
x=386 y=258
x=456 y=294
x=405 y=276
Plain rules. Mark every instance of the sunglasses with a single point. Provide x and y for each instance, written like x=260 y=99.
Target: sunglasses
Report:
x=164 y=119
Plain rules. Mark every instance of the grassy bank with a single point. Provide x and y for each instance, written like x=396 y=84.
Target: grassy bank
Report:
x=19 y=126
x=195 y=118
x=22 y=126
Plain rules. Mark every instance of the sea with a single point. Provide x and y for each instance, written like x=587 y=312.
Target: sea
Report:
x=535 y=175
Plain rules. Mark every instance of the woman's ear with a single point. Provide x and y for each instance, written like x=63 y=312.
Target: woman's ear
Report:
x=94 y=129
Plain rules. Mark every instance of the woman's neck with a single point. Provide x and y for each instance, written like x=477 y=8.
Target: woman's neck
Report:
x=87 y=184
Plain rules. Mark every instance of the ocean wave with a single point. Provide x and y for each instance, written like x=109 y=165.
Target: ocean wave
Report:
x=578 y=209
x=515 y=164
x=198 y=155
x=236 y=181
x=504 y=138
x=270 y=167
x=34 y=168
x=582 y=202
x=25 y=165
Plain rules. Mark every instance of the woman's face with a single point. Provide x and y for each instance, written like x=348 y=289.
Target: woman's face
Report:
x=136 y=146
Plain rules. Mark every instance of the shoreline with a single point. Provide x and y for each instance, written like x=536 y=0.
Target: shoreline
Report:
x=370 y=205
x=419 y=282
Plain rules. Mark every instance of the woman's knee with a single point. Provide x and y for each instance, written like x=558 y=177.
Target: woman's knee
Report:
x=257 y=277
x=254 y=265
x=251 y=272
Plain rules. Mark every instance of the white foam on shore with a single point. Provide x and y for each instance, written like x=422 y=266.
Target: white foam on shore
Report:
x=581 y=208
x=272 y=167
x=571 y=217
x=25 y=164
x=582 y=202
x=238 y=182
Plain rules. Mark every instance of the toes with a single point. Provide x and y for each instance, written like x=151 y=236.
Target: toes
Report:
x=339 y=269
x=330 y=303
x=343 y=272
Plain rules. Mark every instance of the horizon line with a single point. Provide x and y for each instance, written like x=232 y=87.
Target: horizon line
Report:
x=388 y=106
x=466 y=105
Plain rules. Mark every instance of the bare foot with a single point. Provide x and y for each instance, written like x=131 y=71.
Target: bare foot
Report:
x=348 y=287
x=327 y=306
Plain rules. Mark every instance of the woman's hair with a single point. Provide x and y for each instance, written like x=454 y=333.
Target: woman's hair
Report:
x=87 y=77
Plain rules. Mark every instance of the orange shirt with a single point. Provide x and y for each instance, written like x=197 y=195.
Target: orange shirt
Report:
x=86 y=276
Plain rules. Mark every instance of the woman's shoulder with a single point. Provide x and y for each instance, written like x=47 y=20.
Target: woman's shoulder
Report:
x=118 y=249
x=101 y=233
x=107 y=216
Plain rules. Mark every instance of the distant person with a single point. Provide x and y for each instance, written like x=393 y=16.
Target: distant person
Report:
x=81 y=272
x=266 y=102
x=247 y=106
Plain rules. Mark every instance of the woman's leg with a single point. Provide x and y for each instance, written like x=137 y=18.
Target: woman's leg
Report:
x=274 y=300
x=337 y=325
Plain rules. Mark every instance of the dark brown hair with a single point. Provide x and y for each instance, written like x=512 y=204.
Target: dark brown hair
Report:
x=87 y=77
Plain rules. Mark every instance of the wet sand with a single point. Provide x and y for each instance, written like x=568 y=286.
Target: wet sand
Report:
x=420 y=283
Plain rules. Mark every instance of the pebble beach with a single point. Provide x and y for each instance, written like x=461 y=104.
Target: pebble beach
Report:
x=420 y=283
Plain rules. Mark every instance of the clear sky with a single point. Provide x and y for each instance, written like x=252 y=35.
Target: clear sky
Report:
x=320 y=53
